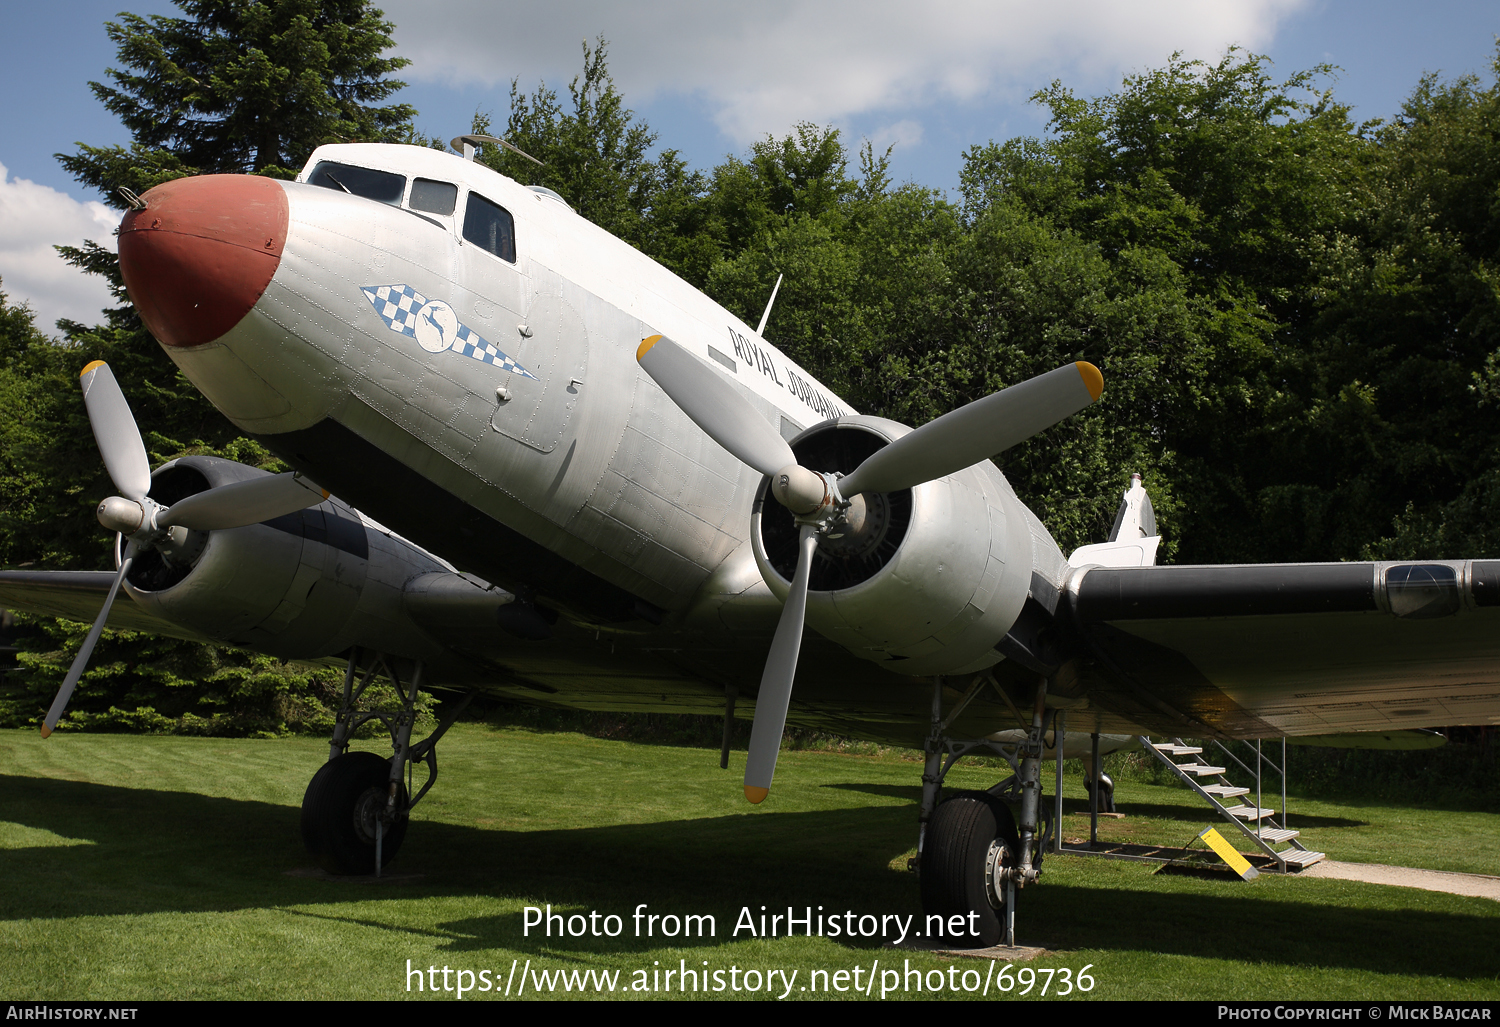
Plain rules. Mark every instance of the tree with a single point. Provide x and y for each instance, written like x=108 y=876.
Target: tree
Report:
x=1226 y=189
x=597 y=157
x=245 y=86
x=1413 y=317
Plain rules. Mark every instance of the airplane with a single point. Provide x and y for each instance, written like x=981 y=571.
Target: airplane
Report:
x=598 y=489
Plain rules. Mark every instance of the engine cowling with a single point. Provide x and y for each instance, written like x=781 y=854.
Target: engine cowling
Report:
x=923 y=581
x=298 y=587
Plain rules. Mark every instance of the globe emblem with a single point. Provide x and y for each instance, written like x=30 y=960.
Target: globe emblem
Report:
x=436 y=327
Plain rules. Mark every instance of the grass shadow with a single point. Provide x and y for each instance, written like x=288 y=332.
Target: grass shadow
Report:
x=157 y=851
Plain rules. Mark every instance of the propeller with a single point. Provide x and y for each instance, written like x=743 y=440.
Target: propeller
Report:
x=818 y=501
x=146 y=523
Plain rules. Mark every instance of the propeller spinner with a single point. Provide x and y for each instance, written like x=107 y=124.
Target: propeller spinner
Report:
x=818 y=500
x=146 y=523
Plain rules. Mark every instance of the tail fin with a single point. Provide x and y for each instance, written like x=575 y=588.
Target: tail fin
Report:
x=1134 y=538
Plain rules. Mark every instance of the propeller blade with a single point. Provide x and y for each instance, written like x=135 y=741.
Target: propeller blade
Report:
x=82 y=659
x=243 y=502
x=963 y=437
x=115 y=432
x=776 y=680
x=714 y=405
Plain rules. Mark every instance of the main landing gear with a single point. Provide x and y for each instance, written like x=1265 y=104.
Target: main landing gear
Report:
x=355 y=812
x=973 y=851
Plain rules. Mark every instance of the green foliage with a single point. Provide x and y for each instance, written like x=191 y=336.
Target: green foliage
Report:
x=137 y=682
x=51 y=477
x=1415 y=312
x=145 y=683
x=1462 y=774
x=597 y=157
x=1206 y=192
x=245 y=86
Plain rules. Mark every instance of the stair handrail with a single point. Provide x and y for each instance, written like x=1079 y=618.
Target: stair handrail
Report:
x=1260 y=843
x=1295 y=843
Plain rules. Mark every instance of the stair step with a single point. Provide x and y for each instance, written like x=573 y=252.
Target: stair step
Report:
x=1302 y=857
x=1249 y=812
x=1200 y=769
x=1226 y=791
x=1173 y=749
x=1276 y=835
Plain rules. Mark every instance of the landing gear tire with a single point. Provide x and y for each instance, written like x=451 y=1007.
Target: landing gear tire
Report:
x=339 y=814
x=967 y=835
x=1106 y=792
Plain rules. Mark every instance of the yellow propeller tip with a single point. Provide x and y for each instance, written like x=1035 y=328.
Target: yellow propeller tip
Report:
x=645 y=347
x=1092 y=379
x=46 y=731
x=86 y=370
x=756 y=795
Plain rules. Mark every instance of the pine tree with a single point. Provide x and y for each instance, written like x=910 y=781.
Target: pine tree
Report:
x=242 y=86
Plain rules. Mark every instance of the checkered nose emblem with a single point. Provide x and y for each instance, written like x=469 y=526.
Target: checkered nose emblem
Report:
x=435 y=326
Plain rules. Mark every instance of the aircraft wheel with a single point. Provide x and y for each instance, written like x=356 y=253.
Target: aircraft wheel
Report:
x=1106 y=792
x=966 y=834
x=339 y=810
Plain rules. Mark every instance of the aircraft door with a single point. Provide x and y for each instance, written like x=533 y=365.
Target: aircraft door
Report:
x=537 y=411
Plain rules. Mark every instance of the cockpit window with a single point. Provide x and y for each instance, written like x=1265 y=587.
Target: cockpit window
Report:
x=433 y=197
x=366 y=182
x=490 y=225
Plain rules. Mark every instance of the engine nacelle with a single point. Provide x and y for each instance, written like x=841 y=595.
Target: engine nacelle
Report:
x=923 y=581
x=301 y=586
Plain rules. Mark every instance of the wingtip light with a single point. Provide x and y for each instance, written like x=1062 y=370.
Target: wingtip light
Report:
x=756 y=795
x=645 y=347
x=1092 y=379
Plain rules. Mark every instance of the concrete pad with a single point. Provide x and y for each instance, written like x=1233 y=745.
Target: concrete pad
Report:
x=1481 y=886
x=1008 y=953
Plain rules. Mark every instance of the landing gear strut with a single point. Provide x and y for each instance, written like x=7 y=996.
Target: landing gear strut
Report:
x=972 y=853
x=357 y=805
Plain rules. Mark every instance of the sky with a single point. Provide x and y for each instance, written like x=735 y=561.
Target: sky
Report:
x=710 y=78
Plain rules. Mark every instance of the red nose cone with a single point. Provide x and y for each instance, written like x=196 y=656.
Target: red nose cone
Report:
x=201 y=253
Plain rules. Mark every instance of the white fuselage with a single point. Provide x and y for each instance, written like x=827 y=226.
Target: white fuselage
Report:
x=587 y=458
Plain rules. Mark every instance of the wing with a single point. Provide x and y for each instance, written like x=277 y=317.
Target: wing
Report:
x=77 y=595
x=1295 y=649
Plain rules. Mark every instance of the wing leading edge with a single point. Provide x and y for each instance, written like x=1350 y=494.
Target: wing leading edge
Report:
x=77 y=595
x=1291 y=649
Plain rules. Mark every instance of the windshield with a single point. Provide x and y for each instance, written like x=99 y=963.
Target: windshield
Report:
x=366 y=182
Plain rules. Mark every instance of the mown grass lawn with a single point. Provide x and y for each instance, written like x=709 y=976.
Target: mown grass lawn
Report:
x=140 y=867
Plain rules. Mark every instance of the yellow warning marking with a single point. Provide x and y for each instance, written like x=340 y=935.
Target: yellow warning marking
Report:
x=90 y=367
x=645 y=346
x=1239 y=864
x=756 y=795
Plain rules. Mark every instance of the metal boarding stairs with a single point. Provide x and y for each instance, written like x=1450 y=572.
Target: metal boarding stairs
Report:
x=1255 y=822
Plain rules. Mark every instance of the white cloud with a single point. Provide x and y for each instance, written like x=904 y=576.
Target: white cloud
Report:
x=904 y=133
x=34 y=218
x=762 y=67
